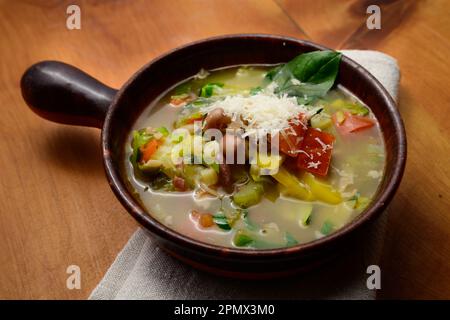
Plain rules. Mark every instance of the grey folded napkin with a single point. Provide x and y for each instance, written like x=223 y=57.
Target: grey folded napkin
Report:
x=144 y=271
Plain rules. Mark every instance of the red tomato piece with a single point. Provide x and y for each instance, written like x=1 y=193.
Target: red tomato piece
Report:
x=352 y=123
x=290 y=139
x=315 y=155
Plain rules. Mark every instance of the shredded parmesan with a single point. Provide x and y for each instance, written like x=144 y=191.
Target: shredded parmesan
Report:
x=313 y=164
x=265 y=111
x=324 y=146
x=302 y=151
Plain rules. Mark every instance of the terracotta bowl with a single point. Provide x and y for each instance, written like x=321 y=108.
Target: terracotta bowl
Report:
x=62 y=93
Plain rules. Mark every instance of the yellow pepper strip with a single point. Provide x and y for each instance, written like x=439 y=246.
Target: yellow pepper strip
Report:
x=320 y=190
x=292 y=185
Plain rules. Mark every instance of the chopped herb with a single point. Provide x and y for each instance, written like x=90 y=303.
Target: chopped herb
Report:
x=318 y=111
x=327 y=227
x=221 y=220
x=290 y=240
x=357 y=201
x=241 y=239
x=306 y=220
x=306 y=214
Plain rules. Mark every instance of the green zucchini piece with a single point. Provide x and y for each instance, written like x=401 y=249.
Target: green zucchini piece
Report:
x=151 y=166
x=249 y=195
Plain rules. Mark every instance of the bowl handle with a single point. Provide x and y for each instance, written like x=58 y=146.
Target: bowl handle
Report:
x=62 y=93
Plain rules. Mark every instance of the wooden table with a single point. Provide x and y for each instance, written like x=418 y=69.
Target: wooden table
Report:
x=56 y=208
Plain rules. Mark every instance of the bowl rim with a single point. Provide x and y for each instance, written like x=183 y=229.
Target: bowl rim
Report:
x=151 y=224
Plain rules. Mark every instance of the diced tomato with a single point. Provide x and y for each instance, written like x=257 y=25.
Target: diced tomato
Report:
x=315 y=155
x=179 y=183
x=352 y=123
x=290 y=139
x=148 y=150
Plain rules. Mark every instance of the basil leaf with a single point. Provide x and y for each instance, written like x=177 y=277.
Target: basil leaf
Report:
x=308 y=76
x=272 y=72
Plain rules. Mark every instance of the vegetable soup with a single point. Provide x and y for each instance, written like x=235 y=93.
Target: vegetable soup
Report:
x=256 y=156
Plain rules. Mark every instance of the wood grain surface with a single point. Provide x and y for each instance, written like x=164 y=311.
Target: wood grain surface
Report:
x=56 y=208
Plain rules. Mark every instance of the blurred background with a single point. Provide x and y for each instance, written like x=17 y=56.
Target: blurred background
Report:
x=56 y=208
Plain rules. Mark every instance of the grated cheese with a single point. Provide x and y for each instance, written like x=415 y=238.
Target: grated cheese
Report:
x=313 y=164
x=265 y=111
x=324 y=146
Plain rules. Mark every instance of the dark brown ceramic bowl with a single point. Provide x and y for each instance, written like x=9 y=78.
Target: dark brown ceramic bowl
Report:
x=62 y=93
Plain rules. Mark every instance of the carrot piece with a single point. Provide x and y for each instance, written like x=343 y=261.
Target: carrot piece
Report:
x=148 y=150
x=205 y=220
x=316 y=152
x=352 y=123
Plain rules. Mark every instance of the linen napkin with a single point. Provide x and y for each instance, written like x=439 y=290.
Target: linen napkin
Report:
x=144 y=271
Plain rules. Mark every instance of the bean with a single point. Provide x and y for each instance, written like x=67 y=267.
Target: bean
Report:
x=216 y=119
x=225 y=176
